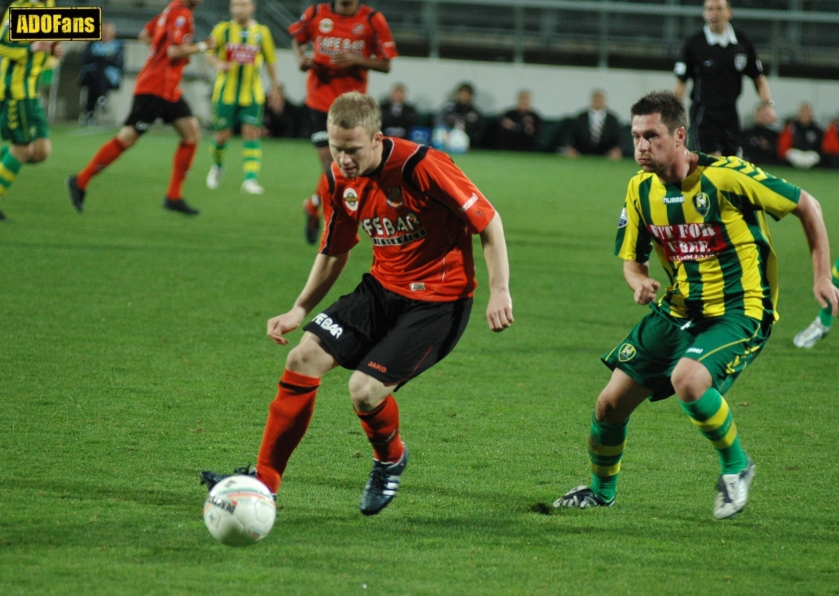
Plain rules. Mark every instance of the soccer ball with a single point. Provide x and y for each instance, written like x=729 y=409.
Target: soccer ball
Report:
x=239 y=511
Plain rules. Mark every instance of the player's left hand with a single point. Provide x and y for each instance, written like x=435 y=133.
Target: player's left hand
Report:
x=211 y=42
x=57 y=50
x=826 y=293
x=499 y=311
x=276 y=100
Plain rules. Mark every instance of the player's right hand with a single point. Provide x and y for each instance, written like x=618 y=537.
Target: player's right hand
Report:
x=646 y=290
x=305 y=63
x=211 y=42
x=280 y=325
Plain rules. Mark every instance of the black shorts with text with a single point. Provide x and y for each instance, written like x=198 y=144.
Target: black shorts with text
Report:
x=387 y=336
x=147 y=108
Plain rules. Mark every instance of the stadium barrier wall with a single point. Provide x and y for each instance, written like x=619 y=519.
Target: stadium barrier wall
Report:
x=558 y=91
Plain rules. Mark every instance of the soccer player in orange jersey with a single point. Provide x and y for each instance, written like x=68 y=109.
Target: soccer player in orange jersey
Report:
x=347 y=39
x=420 y=212
x=157 y=94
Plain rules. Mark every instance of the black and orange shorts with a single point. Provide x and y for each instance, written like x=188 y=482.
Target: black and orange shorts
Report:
x=387 y=336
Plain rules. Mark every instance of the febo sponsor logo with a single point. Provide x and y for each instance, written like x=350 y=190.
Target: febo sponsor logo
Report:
x=329 y=325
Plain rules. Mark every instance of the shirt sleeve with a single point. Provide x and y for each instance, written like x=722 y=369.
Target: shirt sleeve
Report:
x=17 y=51
x=437 y=175
x=269 y=52
x=386 y=47
x=340 y=231
x=633 y=242
x=775 y=196
x=220 y=51
x=151 y=26
x=300 y=29
x=754 y=68
x=682 y=69
x=180 y=27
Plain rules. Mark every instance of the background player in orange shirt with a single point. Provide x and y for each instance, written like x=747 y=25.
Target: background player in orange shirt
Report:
x=157 y=94
x=407 y=314
x=347 y=39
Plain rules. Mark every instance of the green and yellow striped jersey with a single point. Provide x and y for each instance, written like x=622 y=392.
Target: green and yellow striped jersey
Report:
x=246 y=49
x=711 y=236
x=19 y=67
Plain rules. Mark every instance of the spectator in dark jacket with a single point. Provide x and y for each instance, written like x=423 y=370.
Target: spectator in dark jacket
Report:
x=595 y=131
x=461 y=113
x=101 y=71
x=520 y=127
x=801 y=140
x=398 y=116
x=759 y=141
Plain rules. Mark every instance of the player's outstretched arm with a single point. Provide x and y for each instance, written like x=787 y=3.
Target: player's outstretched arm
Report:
x=500 y=308
x=810 y=213
x=188 y=49
x=325 y=271
x=637 y=275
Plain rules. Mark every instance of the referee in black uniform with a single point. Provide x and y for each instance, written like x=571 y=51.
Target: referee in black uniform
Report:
x=716 y=58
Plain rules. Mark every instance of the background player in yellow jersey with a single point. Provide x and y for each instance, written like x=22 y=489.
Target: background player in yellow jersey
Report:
x=705 y=217
x=242 y=47
x=22 y=119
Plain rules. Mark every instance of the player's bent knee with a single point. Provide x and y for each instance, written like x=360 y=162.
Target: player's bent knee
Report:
x=307 y=358
x=366 y=392
x=690 y=380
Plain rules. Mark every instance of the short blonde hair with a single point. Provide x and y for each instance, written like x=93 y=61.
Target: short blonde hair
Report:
x=354 y=109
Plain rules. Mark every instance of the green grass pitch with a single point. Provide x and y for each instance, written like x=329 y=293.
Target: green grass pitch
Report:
x=133 y=354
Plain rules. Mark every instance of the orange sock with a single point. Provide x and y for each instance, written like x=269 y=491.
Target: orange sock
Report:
x=107 y=154
x=180 y=168
x=288 y=419
x=382 y=428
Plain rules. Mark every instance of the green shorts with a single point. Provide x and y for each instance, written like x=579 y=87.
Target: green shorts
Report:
x=226 y=115
x=724 y=345
x=22 y=121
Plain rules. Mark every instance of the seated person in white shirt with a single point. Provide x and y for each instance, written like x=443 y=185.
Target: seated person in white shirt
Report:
x=594 y=131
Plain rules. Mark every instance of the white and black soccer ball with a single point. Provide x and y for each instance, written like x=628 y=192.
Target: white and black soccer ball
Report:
x=239 y=511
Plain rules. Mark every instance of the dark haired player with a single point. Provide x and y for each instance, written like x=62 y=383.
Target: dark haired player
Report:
x=706 y=219
x=420 y=212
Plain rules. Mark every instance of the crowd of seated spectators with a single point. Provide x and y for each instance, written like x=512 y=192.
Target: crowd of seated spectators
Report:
x=801 y=142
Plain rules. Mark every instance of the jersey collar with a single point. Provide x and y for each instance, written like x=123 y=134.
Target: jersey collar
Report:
x=723 y=39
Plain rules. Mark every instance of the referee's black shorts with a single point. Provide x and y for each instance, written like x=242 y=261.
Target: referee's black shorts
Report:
x=387 y=336
x=147 y=108
x=715 y=129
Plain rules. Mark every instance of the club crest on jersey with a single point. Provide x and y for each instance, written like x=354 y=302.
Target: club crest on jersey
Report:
x=325 y=25
x=740 y=62
x=702 y=203
x=626 y=353
x=351 y=199
x=394 y=196
x=358 y=29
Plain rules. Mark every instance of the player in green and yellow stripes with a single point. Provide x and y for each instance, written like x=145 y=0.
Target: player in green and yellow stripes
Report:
x=821 y=325
x=22 y=119
x=242 y=47
x=706 y=219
